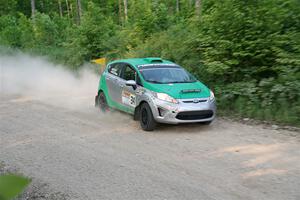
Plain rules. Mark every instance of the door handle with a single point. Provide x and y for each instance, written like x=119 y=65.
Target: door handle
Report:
x=111 y=78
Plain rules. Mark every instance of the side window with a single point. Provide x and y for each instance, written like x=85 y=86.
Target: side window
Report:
x=129 y=73
x=115 y=69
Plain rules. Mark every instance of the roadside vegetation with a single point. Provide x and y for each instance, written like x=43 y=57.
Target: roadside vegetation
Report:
x=248 y=52
x=12 y=185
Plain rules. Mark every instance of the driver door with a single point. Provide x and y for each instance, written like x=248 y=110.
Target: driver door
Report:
x=128 y=92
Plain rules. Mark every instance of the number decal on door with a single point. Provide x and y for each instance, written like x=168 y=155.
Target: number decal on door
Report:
x=128 y=98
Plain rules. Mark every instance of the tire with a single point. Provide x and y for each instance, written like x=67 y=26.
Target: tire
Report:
x=147 y=120
x=102 y=103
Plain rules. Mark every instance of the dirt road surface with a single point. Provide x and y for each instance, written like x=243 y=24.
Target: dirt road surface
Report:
x=88 y=155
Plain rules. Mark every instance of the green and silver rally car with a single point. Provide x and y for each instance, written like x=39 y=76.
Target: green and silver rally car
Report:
x=155 y=91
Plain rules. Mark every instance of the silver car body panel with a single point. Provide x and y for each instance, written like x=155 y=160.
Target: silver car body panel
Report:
x=114 y=83
x=171 y=110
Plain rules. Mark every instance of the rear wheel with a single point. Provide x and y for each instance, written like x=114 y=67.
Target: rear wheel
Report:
x=102 y=103
x=147 y=120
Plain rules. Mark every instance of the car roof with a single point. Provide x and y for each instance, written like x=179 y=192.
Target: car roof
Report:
x=136 y=62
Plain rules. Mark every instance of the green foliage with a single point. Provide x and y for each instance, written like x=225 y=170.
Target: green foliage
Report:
x=45 y=30
x=26 y=27
x=7 y=7
x=9 y=31
x=90 y=39
x=12 y=185
x=248 y=52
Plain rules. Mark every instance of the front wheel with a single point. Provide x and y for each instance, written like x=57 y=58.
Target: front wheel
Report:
x=147 y=120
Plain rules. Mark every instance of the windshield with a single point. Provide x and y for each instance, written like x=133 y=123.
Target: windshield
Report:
x=164 y=75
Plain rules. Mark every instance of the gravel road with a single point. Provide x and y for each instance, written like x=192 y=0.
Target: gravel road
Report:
x=88 y=155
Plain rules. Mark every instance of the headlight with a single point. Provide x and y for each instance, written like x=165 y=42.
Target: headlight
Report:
x=212 y=96
x=164 y=97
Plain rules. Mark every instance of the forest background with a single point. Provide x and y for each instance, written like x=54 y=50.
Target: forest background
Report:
x=247 y=52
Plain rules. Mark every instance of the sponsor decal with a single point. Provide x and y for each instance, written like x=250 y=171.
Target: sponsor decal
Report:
x=191 y=91
x=128 y=98
x=114 y=71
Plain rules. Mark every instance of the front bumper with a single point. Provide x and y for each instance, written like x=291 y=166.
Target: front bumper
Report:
x=186 y=111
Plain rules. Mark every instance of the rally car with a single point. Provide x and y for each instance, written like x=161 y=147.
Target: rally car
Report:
x=155 y=91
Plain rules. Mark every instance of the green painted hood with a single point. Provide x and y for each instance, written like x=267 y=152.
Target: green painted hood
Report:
x=175 y=90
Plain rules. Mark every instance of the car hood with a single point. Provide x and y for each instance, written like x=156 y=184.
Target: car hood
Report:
x=181 y=90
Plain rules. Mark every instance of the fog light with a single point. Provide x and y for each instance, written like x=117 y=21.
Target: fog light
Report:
x=161 y=112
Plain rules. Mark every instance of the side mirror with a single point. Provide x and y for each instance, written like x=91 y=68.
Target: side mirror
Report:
x=131 y=83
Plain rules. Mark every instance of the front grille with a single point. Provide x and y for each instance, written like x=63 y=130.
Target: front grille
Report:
x=195 y=115
x=192 y=101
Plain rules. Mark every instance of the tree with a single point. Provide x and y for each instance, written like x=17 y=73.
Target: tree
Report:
x=198 y=7
x=177 y=6
x=120 y=12
x=125 y=10
x=68 y=9
x=92 y=38
x=79 y=11
x=7 y=7
x=32 y=8
x=60 y=8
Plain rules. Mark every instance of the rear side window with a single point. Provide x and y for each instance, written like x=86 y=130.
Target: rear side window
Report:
x=129 y=73
x=115 y=69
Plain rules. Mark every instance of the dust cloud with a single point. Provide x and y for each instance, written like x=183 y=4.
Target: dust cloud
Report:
x=35 y=78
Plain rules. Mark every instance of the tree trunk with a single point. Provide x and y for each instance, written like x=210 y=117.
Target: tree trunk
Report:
x=60 y=8
x=191 y=3
x=177 y=6
x=78 y=11
x=32 y=8
x=120 y=12
x=125 y=10
x=71 y=11
x=42 y=6
x=198 y=7
x=68 y=10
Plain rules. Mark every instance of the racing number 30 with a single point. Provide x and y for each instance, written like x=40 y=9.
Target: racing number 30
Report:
x=128 y=98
